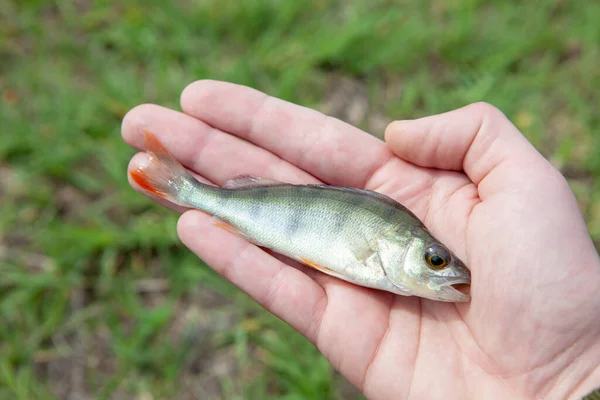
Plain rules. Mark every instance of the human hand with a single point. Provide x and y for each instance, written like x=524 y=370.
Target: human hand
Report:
x=531 y=328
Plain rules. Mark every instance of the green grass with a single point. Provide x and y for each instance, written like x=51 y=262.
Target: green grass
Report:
x=97 y=295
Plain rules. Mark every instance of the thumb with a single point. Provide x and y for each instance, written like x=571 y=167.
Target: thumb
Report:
x=477 y=139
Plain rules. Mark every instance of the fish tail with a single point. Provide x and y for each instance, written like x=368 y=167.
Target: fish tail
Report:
x=163 y=176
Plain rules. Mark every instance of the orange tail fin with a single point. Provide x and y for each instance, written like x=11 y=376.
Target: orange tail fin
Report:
x=163 y=176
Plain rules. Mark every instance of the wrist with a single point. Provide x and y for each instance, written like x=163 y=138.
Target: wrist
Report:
x=585 y=371
x=582 y=376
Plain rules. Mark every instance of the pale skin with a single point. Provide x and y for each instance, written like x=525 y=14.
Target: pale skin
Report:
x=531 y=329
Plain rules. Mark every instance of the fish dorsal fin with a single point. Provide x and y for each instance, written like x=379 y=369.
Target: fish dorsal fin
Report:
x=247 y=181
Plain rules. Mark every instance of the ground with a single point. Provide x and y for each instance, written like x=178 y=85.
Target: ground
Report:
x=98 y=298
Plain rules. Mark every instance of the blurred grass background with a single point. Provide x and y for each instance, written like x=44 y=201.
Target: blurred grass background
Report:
x=98 y=299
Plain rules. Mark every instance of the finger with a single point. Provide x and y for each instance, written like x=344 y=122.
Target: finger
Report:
x=325 y=147
x=475 y=139
x=285 y=291
x=215 y=155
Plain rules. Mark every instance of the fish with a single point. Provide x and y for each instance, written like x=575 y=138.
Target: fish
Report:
x=356 y=235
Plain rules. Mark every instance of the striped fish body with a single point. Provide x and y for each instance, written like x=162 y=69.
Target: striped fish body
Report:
x=356 y=235
x=337 y=230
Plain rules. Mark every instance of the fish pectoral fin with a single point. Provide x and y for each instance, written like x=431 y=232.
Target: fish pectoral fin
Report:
x=318 y=267
x=373 y=261
x=218 y=222
x=362 y=254
x=247 y=181
x=362 y=249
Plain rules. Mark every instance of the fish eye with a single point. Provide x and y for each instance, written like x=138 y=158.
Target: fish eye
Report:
x=437 y=257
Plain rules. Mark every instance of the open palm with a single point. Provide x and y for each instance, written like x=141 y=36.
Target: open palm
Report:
x=483 y=190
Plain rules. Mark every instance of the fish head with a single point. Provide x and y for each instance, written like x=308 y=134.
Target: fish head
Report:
x=422 y=266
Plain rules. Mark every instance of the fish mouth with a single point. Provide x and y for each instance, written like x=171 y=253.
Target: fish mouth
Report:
x=456 y=290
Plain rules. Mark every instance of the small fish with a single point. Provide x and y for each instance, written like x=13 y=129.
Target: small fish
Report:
x=360 y=236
